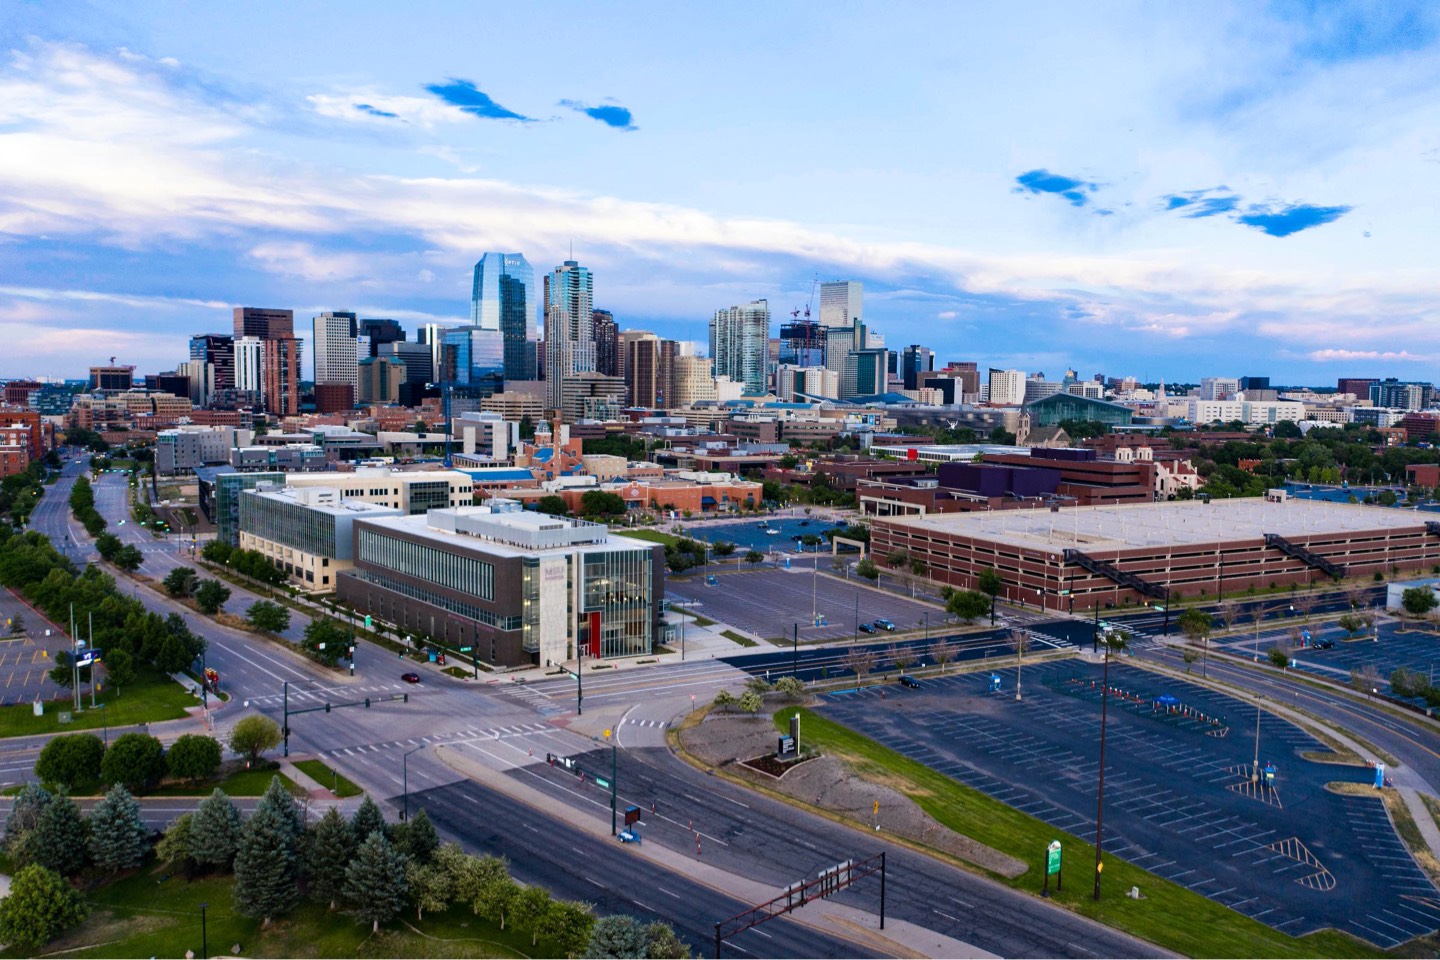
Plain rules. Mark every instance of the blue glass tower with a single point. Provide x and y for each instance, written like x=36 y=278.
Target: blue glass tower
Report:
x=503 y=299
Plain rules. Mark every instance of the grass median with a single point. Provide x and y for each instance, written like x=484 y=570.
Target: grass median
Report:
x=322 y=774
x=152 y=698
x=1169 y=915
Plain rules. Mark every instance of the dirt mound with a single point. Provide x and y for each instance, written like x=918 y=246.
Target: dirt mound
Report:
x=725 y=740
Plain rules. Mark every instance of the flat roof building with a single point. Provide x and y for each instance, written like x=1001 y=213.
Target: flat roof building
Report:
x=306 y=533
x=519 y=588
x=1084 y=557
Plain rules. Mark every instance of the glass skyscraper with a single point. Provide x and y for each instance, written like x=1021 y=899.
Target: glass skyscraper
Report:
x=474 y=357
x=503 y=299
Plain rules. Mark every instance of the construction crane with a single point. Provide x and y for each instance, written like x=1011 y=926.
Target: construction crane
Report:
x=795 y=314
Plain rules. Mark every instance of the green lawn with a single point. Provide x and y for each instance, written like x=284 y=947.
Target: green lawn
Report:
x=743 y=641
x=151 y=698
x=327 y=777
x=241 y=783
x=1170 y=915
x=654 y=536
x=156 y=914
x=700 y=621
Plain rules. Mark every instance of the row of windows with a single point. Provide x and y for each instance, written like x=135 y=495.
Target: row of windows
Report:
x=459 y=607
x=465 y=574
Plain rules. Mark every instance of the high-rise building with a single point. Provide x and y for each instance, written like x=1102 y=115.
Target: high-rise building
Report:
x=474 y=358
x=650 y=371
x=1358 y=387
x=217 y=349
x=265 y=323
x=281 y=356
x=416 y=357
x=915 y=362
x=380 y=331
x=1219 y=388
x=502 y=298
x=691 y=381
x=380 y=379
x=1254 y=383
x=280 y=367
x=864 y=374
x=201 y=377
x=569 y=327
x=738 y=341
x=112 y=377
x=606 y=334
x=802 y=344
x=841 y=303
x=248 y=354
x=337 y=349
x=1007 y=387
x=433 y=336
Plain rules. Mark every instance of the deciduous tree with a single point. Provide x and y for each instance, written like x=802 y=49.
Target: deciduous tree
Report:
x=253 y=735
x=193 y=757
x=41 y=905
x=136 y=760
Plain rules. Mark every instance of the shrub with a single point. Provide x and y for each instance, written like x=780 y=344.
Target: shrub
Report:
x=71 y=761
x=134 y=760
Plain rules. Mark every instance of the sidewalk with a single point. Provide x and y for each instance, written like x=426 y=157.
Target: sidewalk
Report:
x=898 y=939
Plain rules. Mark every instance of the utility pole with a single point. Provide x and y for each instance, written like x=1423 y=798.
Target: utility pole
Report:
x=92 y=659
x=285 y=730
x=795 y=651
x=1100 y=795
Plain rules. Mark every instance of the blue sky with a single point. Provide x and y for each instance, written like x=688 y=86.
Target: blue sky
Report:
x=1167 y=190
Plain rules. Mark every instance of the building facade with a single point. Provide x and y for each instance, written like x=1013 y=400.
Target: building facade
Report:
x=569 y=326
x=739 y=339
x=520 y=588
x=308 y=533
x=337 y=349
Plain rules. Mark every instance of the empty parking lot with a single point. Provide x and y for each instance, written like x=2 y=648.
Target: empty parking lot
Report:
x=1178 y=797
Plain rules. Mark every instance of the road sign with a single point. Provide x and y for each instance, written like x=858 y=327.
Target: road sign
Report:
x=466 y=649
x=1052 y=857
x=602 y=782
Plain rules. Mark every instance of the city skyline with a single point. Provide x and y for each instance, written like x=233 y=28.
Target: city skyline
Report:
x=1147 y=192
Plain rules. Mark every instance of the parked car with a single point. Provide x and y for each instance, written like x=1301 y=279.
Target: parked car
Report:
x=710 y=581
x=908 y=681
x=883 y=624
x=866 y=628
x=410 y=677
x=1323 y=644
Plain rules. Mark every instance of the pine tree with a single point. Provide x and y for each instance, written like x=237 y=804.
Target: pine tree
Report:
x=367 y=820
x=215 y=831
x=265 y=868
x=282 y=802
x=419 y=840
x=174 y=846
x=332 y=846
x=618 y=935
x=375 y=881
x=118 y=840
x=60 y=837
x=25 y=813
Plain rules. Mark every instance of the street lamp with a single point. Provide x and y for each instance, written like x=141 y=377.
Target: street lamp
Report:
x=405 y=779
x=1100 y=793
x=204 y=933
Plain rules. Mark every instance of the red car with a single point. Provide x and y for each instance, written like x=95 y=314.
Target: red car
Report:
x=410 y=677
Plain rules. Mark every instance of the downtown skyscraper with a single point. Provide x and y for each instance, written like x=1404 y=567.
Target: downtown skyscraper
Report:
x=569 y=327
x=739 y=341
x=502 y=298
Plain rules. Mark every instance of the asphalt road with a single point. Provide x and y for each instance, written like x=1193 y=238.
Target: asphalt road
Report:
x=576 y=865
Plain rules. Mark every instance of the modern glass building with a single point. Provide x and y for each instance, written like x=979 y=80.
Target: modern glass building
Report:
x=474 y=357
x=228 y=487
x=503 y=298
x=516 y=586
x=1049 y=411
x=307 y=533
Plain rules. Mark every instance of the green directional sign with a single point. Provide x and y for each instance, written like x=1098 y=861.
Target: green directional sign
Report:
x=602 y=782
x=466 y=649
x=1052 y=857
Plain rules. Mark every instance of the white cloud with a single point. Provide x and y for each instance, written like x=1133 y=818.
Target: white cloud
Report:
x=1405 y=356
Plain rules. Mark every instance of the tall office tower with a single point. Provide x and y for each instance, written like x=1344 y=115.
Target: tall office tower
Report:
x=739 y=338
x=606 y=334
x=650 y=371
x=1254 y=383
x=915 y=362
x=201 y=378
x=840 y=307
x=380 y=331
x=217 y=349
x=474 y=358
x=569 y=327
x=502 y=298
x=1358 y=387
x=419 y=367
x=433 y=336
x=1007 y=387
x=280 y=365
x=1218 y=388
x=249 y=353
x=968 y=373
x=281 y=359
x=337 y=350
x=864 y=374
x=691 y=380
x=264 y=323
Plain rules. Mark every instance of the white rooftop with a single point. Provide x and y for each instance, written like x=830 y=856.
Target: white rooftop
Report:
x=1163 y=524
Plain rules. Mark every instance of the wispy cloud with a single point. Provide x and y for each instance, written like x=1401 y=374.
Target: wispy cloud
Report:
x=610 y=114
x=376 y=111
x=1202 y=203
x=1042 y=181
x=471 y=100
x=1404 y=356
x=1282 y=219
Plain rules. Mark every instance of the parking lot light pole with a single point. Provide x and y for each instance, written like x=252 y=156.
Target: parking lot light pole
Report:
x=1100 y=793
x=795 y=651
x=1255 y=772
